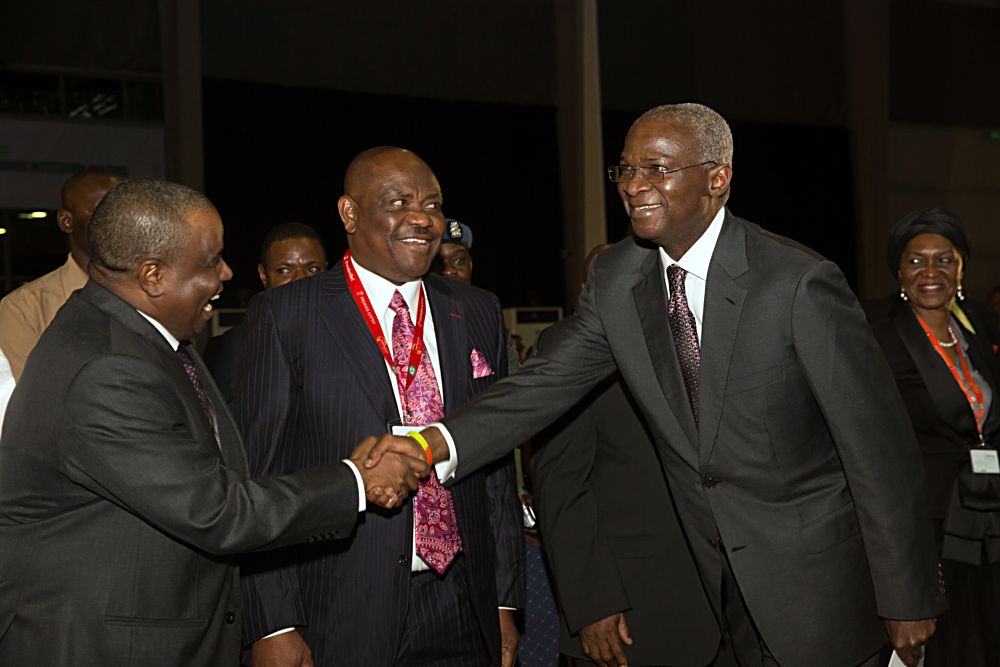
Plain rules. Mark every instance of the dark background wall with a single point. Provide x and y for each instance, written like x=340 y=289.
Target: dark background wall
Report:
x=292 y=90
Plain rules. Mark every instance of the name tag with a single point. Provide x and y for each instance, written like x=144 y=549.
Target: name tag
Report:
x=985 y=461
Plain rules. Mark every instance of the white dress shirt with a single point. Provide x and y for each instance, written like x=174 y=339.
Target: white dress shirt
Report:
x=696 y=262
x=380 y=292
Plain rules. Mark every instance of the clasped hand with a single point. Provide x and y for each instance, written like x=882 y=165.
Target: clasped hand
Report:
x=397 y=471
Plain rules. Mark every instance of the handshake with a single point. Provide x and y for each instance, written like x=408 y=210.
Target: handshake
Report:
x=391 y=467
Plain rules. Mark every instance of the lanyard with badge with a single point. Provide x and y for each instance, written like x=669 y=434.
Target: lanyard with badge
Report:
x=364 y=305
x=984 y=459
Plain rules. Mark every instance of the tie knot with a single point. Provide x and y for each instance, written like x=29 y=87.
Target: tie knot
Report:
x=184 y=355
x=675 y=276
x=398 y=304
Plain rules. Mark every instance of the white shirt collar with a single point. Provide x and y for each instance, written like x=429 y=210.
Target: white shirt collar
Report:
x=698 y=258
x=174 y=343
x=380 y=290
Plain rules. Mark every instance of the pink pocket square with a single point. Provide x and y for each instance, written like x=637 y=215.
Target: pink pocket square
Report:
x=480 y=367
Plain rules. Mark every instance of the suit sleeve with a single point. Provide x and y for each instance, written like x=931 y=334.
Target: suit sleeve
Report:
x=856 y=392
x=269 y=586
x=130 y=440
x=583 y=566
x=505 y=510
x=549 y=384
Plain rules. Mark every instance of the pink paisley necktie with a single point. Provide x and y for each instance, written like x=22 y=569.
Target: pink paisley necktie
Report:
x=435 y=527
x=685 y=333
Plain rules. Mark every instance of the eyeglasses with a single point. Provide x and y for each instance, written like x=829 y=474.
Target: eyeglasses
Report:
x=621 y=173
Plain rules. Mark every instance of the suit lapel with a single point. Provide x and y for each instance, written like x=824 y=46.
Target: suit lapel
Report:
x=650 y=295
x=230 y=442
x=724 y=299
x=350 y=334
x=451 y=334
x=948 y=399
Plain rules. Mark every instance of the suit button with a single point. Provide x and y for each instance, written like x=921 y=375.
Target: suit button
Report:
x=708 y=481
x=230 y=617
x=715 y=542
x=403 y=560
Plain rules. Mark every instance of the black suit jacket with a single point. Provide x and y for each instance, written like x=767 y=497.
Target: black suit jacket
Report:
x=940 y=413
x=804 y=467
x=120 y=514
x=611 y=533
x=315 y=385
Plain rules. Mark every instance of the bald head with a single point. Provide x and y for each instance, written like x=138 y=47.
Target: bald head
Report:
x=81 y=193
x=371 y=163
x=391 y=212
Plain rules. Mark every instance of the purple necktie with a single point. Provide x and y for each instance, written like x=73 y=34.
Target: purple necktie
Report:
x=192 y=373
x=435 y=527
x=685 y=333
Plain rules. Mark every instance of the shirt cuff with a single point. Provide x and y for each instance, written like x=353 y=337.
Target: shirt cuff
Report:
x=446 y=469
x=275 y=634
x=503 y=608
x=362 y=504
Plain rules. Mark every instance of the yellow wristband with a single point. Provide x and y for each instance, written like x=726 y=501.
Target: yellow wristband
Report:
x=422 y=441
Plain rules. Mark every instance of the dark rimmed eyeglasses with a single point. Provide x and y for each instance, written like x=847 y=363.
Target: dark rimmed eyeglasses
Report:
x=621 y=173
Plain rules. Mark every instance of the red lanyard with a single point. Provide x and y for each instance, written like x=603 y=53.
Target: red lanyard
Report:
x=969 y=387
x=365 y=308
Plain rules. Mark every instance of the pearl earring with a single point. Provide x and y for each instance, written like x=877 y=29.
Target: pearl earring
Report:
x=902 y=293
x=959 y=294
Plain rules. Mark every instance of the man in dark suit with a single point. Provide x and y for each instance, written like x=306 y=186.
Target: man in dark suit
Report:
x=628 y=589
x=290 y=251
x=124 y=492
x=337 y=356
x=790 y=458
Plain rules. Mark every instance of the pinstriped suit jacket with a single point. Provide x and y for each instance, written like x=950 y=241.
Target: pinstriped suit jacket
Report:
x=314 y=384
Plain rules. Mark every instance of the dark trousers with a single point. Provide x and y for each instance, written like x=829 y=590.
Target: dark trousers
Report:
x=441 y=628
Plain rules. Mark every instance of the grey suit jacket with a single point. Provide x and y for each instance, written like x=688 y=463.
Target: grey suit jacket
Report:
x=120 y=512
x=804 y=467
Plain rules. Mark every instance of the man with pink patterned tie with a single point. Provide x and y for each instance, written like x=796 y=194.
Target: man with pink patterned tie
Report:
x=373 y=345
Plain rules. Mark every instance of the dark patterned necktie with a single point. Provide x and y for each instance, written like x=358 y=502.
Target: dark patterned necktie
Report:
x=435 y=527
x=192 y=373
x=685 y=333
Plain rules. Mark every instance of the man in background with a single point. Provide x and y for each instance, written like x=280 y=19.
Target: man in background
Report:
x=454 y=258
x=628 y=589
x=374 y=345
x=290 y=251
x=25 y=312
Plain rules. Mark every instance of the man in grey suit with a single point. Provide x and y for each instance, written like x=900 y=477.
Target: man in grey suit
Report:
x=124 y=492
x=789 y=454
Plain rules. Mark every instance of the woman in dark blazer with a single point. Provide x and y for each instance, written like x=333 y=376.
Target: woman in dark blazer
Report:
x=944 y=363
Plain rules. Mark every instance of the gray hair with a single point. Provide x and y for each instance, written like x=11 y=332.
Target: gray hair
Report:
x=142 y=219
x=713 y=138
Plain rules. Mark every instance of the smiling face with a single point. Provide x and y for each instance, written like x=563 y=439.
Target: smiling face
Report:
x=392 y=216
x=675 y=212
x=291 y=259
x=193 y=278
x=930 y=271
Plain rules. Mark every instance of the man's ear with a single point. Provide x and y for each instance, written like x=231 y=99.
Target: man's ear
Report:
x=262 y=273
x=719 y=179
x=65 y=221
x=151 y=277
x=348 y=209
